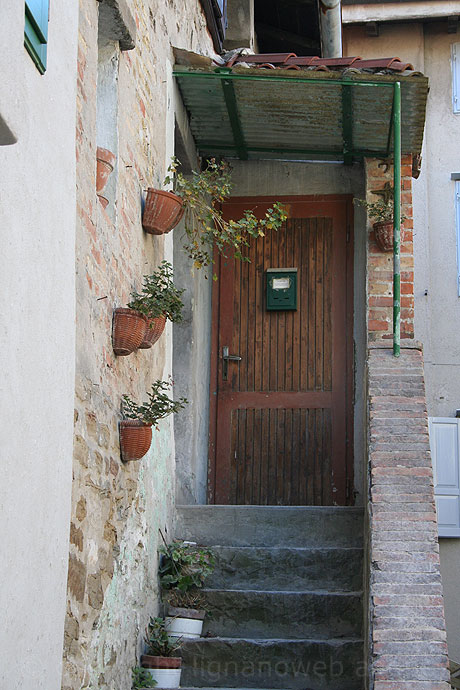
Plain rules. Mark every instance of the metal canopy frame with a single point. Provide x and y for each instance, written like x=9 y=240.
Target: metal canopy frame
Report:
x=227 y=78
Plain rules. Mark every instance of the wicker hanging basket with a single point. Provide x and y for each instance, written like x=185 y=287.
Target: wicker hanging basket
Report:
x=135 y=439
x=162 y=212
x=155 y=328
x=383 y=231
x=128 y=330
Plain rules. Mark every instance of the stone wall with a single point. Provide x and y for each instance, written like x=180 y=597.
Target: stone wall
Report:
x=408 y=649
x=118 y=509
x=380 y=264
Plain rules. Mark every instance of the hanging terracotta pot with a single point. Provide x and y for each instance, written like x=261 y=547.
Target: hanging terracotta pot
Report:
x=162 y=212
x=105 y=165
x=135 y=439
x=128 y=330
x=383 y=231
x=155 y=328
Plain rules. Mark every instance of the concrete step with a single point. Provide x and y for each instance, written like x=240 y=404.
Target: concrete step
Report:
x=285 y=526
x=307 y=664
x=289 y=569
x=290 y=615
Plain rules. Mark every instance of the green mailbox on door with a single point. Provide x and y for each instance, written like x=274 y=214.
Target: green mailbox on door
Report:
x=281 y=289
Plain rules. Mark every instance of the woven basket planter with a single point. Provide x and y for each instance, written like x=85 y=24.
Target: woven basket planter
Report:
x=384 y=235
x=155 y=328
x=135 y=439
x=162 y=212
x=128 y=330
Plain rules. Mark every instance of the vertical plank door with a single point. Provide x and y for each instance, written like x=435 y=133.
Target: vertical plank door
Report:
x=281 y=422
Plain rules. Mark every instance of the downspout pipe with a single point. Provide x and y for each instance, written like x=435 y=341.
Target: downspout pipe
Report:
x=397 y=220
x=330 y=26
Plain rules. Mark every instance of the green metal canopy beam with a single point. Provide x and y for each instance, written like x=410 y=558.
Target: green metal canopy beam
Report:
x=237 y=76
x=232 y=110
x=357 y=153
x=347 y=124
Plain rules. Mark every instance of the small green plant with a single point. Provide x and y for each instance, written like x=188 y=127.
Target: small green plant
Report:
x=205 y=227
x=157 y=641
x=141 y=678
x=381 y=211
x=158 y=406
x=184 y=567
x=159 y=295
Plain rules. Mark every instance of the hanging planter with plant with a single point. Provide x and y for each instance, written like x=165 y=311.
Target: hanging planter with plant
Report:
x=201 y=196
x=382 y=211
x=162 y=211
x=159 y=300
x=136 y=430
x=128 y=330
x=183 y=570
x=159 y=658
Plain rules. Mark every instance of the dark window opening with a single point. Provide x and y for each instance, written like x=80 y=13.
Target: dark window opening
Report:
x=287 y=26
x=216 y=18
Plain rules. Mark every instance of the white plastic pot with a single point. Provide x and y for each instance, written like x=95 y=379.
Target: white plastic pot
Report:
x=166 y=677
x=185 y=628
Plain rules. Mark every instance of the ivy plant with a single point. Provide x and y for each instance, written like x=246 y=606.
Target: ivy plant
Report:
x=185 y=567
x=205 y=227
x=157 y=641
x=158 y=405
x=141 y=678
x=159 y=295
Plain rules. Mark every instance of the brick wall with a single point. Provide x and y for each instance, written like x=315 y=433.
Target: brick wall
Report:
x=380 y=264
x=117 y=509
x=407 y=630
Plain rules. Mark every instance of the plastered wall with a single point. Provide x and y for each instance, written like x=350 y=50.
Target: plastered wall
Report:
x=37 y=341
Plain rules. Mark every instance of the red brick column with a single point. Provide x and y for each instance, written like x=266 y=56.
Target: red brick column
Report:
x=380 y=263
x=408 y=649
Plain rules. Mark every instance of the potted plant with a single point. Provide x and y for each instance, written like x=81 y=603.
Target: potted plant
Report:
x=159 y=300
x=141 y=679
x=162 y=211
x=202 y=195
x=159 y=658
x=129 y=327
x=382 y=211
x=183 y=570
x=136 y=429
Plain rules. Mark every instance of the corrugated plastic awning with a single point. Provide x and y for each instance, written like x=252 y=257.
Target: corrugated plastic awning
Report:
x=254 y=113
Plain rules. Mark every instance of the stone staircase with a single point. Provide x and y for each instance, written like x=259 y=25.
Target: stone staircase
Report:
x=285 y=601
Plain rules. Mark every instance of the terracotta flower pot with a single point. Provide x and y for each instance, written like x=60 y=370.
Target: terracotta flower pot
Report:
x=135 y=439
x=149 y=661
x=105 y=165
x=164 y=670
x=128 y=330
x=162 y=212
x=383 y=231
x=155 y=328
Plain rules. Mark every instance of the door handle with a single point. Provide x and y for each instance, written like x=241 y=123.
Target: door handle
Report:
x=226 y=357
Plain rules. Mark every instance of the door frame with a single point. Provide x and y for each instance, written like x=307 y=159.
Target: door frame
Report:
x=314 y=200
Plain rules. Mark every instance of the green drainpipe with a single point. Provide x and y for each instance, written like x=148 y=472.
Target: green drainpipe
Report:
x=397 y=221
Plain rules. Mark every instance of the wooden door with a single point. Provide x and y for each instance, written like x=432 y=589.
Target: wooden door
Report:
x=281 y=424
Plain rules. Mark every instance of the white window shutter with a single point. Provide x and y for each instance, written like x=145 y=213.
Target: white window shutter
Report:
x=444 y=442
x=456 y=77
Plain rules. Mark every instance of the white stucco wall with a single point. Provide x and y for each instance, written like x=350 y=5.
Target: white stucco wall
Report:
x=37 y=342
